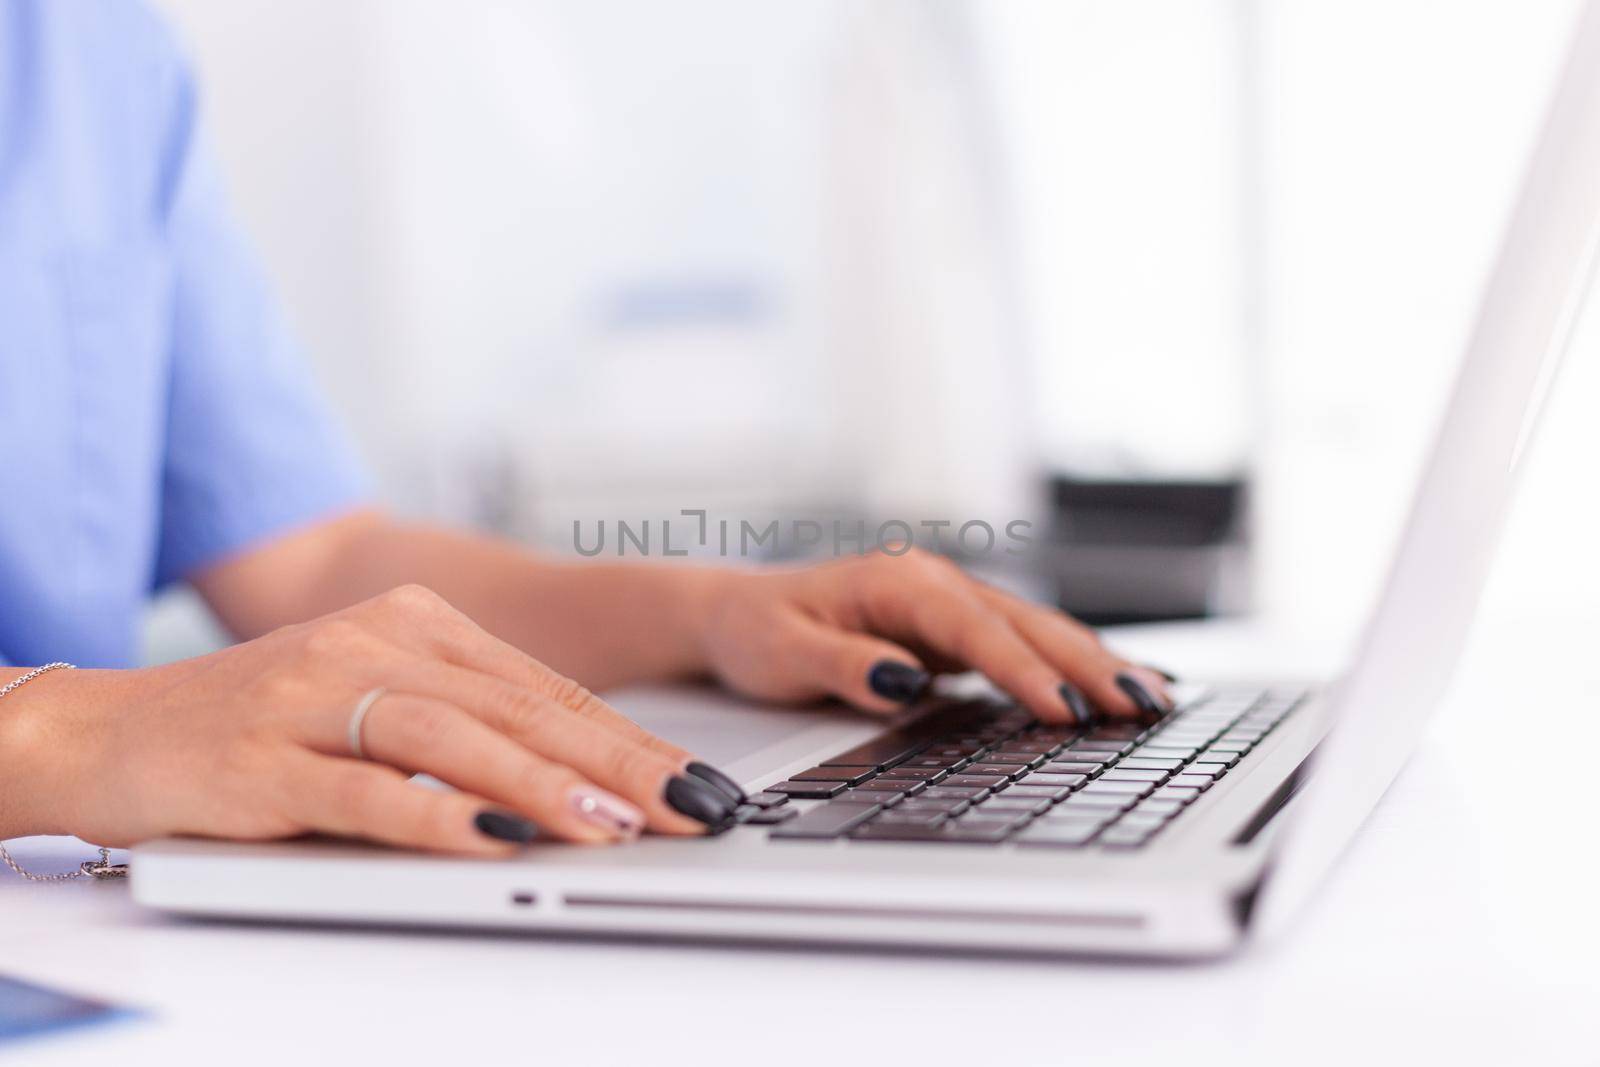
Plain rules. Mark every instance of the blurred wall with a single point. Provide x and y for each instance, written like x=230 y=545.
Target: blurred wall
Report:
x=559 y=260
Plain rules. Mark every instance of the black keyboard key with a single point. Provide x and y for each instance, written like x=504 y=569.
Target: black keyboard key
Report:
x=980 y=818
x=1118 y=774
x=1007 y=771
x=1037 y=748
x=767 y=816
x=1159 y=806
x=1114 y=748
x=943 y=750
x=808 y=790
x=1122 y=837
x=908 y=787
x=1048 y=834
x=1045 y=778
x=977 y=781
x=976 y=832
x=924 y=819
x=1074 y=767
x=1136 y=763
x=769 y=800
x=929 y=763
x=1024 y=759
x=869 y=796
x=925 y=774
x=946 y=833
x=1114 y=801
x=1097 y=816
x=1101 y=787
x=1045 y=792
x=884 y=750
x=943 y=807
x=847 y=775
x=941 y=792
x=878 y=830
x=827 y=820
x=1015 y=805
x=1162 y=752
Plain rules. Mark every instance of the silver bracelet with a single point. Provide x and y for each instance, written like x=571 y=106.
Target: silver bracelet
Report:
x=101 y=868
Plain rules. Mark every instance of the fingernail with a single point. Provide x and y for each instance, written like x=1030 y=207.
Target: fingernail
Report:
x=603 y=809
x=1168 y=675
x=1139 y=695
x=504 y=826
x=897 y=681
x=697 y=800
x=1076 y=704
x=709 y=774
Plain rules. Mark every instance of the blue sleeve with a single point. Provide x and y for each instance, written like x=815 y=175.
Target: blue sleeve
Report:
x=252 y=450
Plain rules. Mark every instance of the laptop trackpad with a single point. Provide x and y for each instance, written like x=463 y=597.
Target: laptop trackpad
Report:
x=741 y=736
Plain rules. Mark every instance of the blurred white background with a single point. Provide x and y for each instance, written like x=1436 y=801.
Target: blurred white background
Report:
x=565 y=260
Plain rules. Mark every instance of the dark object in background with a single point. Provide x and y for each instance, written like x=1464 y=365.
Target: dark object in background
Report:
x=1144 y=551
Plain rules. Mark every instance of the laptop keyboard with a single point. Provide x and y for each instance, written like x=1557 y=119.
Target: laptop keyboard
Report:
x=985 y=773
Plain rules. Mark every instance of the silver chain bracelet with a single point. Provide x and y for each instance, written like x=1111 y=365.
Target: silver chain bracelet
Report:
x=101 y=868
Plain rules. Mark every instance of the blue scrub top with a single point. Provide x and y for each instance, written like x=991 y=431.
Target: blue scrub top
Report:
x=157 y=417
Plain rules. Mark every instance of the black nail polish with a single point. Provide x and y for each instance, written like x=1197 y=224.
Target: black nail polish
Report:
x=505 y=826
x=698 y=800
x=721 y=782
x=1168 y=675
x=1139 y=695
x=1076 y=704
x=898 y=681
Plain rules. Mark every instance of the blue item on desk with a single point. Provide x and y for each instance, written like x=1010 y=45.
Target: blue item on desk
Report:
x=27 y=1010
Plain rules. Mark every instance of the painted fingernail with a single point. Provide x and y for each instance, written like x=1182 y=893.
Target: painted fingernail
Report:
x=1168 y=675
x=897 y=681
x=504 y=826
x=697 y=800
x=1076 y=704
x=709 y=774
x=602 y=809
x=1139 y=695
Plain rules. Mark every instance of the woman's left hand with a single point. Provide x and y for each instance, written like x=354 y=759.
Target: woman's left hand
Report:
x=870 y=629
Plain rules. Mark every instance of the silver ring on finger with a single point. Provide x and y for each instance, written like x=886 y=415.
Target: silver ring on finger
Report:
x=358 y=716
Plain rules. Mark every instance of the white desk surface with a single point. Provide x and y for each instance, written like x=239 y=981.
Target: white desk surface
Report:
x=1461 y=928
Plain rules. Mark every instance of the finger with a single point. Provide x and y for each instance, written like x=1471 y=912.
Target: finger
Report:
x=1113 y=685
x=645 y=777
x=453 y=637
x=954 y=621
x=350 y=798
x=873 y=674
x=421 y=734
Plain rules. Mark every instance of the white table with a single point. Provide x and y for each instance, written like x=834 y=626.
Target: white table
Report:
x=1461 y=928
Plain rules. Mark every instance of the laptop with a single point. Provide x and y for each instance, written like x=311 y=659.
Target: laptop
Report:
x=965 y=824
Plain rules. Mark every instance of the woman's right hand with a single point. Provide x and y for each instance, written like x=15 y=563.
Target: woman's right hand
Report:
x=252 y=743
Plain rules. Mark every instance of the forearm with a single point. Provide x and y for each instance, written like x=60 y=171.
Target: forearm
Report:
x=603 y=624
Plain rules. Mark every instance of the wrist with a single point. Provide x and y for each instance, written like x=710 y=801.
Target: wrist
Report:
x=35 y=768
x=697 y=592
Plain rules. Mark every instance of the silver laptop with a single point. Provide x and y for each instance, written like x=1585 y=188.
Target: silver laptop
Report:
x=966 y=825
